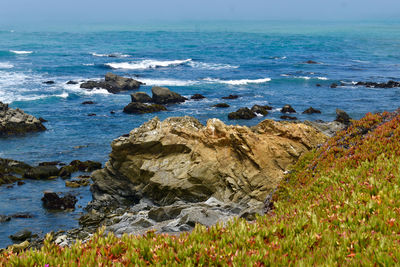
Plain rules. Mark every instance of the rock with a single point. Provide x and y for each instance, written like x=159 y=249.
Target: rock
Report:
x=342 y=117
x=231 y=97
x=10 y=168
x=19 y=183
x=140 y=108
x=334 y=85
x=49 y=163
x=311 y=110
x=288 y=109
x=181 y=159
x=328 y=128
x=318 y=85
x=4 y=218
x=52 y=201
x=42 y=172
x=162 y=95
x=92 y=114
x=263 y=110
x=112 y=112
x=221 y=105
x=197 y=97
x=72 y=82
x=311 y=62
x=165 y=213
x=113 y=84
x=77 y=183
x=86 y=166
x=62 y=240
x=21 y=235
x=88 y=103
x=286 y=117
x=92 y=218
x=42 y=120
x=389 y=84
x=15 y=121
x=19 y=247
x=141 y=97
x=22 y=215
x=242 y=114
x=66 y=171
x=49 y=82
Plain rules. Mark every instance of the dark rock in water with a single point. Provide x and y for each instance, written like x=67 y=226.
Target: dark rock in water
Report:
x=42 y=120
x=311 y=62
x=141 y=97
x=242 y=114
x=72 y=82
x=311 y=110
x=50 y=163
x=9 y=168
x=140 y=108
x=221 y=105
x=19 y=183
x=318 y=85
x=66 y=171
x=230 y=97
x=197 y=97
x=42 y=172
x=15 y=121
x=22 y=215
x=86 y=166
x=21 y=235
x=162 y=95
x=52 y=201
x=342 y=117
x=4 y=218
x=112 y=112
x=334 y=85
x=88 y=103
x=263 y=110
x=288 y=109
x=113 y=84
x=49 y=82
x=92 y=114
x=389 y=84
x=286 y=117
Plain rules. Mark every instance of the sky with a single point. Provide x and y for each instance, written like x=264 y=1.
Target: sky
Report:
x=122 y=11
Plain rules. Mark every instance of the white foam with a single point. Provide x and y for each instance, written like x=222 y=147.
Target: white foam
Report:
x=6 y=65
x=238 y=82
x=110 y=55
x=146 y=64
x=75 y=88
x=211 y=66
x=168 y=82
x=88 y=64
x=322 y=78
x=21 y=52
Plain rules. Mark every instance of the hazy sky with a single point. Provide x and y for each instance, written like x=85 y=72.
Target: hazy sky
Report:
x=24 y=11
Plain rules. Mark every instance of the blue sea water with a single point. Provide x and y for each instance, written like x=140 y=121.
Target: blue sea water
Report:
x=263 y=62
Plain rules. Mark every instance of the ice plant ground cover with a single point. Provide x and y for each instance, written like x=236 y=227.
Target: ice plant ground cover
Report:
x=340 y=205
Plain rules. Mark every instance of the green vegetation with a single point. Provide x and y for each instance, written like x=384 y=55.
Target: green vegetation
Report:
x=339 y=206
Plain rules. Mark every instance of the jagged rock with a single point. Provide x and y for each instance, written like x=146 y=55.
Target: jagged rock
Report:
x=181 y=159
x=197 y=97
x=52 y=201
x=15 y=121
x=286 y=117
x=21 y=235
x=140 y=108
x=230 y=97
x=141 y=97
x=113 y=84
x=311 y=110
x=86 y=166
x=221 y=105
x=42 y=172
x=165 y=213
x=389 y=84
x=10 y=169
x=288 y=109
x=162 y=95
x=328 y=128
x=342 y=117
x=242 y=114
x=72 y=82
x=263 y=110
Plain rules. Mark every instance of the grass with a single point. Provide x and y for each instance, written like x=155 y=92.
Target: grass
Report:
x=339 y=206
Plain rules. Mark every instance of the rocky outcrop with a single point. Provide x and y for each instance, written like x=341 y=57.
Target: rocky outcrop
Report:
x=242 y=114
x=328 y=128
x=180 y=159
x=197 y=97
x=141 y=108
x=389 y=84
x=311 y=110
x=221 y=105
x=52 y=201
x=113 y=84
x=262 y=110
x=342 y=117
x=141 y=97
x=16 y=121
x=10 y=170
x=162 y=95
x=288 y=109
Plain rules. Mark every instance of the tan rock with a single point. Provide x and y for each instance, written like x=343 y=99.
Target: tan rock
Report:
x=181 y=159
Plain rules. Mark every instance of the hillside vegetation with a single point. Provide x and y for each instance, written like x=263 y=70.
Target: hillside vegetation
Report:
x=339 y=206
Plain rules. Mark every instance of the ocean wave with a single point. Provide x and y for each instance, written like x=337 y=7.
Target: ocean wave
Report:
x=110 y=55
x=75 y=88
x=88 y=64
x=211 y=66
x=21 y=52
x=147 y=64
x=168 y=82
x=305 y=77
x=238 y=82
x=6 y=65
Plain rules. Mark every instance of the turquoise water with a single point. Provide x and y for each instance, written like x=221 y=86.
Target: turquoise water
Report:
x=262 y=62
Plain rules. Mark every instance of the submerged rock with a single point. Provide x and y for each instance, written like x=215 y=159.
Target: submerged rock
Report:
x=311 y=62
x=16 y=121
x=311 y=110
x=242 y=114
x=286 y=117
x=113 y=84
x=197 y=97
x=221 y=105
x=140 y=108
x=389 y=84
x=230 y=97
x=162 y=95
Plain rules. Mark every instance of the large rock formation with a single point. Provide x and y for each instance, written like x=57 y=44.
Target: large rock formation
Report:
x=162 y=95
x=113 y=84
x=16 y=121
x=179 y=159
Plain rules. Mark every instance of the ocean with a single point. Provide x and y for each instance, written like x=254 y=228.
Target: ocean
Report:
x=262 y=62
